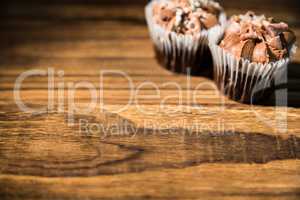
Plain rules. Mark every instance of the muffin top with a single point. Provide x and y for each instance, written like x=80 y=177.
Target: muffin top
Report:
x=257 y=38
x=186 y=16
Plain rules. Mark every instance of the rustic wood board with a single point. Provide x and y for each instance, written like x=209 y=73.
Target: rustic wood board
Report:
x=163 y=156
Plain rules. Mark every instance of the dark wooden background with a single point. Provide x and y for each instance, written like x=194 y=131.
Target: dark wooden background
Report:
x=41 y=157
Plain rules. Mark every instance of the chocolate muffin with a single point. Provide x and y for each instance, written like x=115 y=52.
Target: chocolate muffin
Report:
x=179 y=29
x=249 y=54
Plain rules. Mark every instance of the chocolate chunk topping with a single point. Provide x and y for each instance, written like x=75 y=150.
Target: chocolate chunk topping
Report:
x=260 y=53
x=209 y=20
x=257 y=38
x=187 y=16
x=248 y=49
x=290 y=38
x=230 y=41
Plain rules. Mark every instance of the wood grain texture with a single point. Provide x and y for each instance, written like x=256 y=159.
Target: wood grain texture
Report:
x=206 y=148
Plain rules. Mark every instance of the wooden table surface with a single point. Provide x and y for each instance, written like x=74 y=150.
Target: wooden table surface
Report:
x=236 y=151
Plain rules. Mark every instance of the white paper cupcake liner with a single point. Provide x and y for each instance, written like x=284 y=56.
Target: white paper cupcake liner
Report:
x=240 y=79
x=178 y=52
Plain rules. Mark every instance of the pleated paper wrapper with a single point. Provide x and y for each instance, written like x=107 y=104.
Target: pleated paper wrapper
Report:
x=242 y=80
x=178 y=52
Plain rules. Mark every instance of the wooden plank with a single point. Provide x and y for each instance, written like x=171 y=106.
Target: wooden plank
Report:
x=134 y=160
x=94 y=48
x=122 y=97
x=88 y=48
x=212 y=148
x=52 y=12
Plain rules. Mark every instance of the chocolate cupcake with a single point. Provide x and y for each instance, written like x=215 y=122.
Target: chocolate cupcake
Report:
x=249 y=55
x=179 y=30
